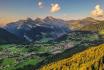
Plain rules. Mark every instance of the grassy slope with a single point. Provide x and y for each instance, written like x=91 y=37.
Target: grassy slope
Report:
x=99 y=27
x=91 y=59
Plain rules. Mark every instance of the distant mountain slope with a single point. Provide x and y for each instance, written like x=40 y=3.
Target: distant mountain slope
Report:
x=77 y=24
x=99 y=27
x=90 y=59
x=7 y=37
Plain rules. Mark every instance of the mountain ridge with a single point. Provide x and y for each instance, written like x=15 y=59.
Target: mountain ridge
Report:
x=22 y=27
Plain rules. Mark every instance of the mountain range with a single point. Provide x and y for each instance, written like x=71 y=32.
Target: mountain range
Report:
x=30 y=30
x=49 y=28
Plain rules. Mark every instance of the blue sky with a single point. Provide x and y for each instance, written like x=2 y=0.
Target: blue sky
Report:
x=30 y=8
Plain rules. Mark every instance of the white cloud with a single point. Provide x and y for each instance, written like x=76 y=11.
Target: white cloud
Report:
x=55 y=8
x=40 y=4
x=98 y=11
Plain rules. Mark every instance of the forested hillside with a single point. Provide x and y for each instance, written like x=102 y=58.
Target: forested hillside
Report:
x=90 y=59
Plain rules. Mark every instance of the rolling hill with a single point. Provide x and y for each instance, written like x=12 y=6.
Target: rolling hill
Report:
x=99 y=27
x=77 y=24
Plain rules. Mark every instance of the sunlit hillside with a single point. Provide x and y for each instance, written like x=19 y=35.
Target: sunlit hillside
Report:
x=99 y=27
x=91 y=59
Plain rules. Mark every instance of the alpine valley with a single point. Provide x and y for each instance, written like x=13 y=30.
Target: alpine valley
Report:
x=52 y=44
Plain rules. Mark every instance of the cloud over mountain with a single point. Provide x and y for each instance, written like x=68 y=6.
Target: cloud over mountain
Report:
x=55 y=8
x=98 y=11
x=40 y=4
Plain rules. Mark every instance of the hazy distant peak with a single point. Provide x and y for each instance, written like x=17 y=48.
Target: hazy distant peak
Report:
x=39 y=20
x=29 y=19
x=89 y=19
x=49 y=18
x=23 y=21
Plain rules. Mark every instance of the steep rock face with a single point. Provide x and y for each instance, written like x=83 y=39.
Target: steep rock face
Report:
x=7 y=37
x=39 y=33
x=30 y=30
